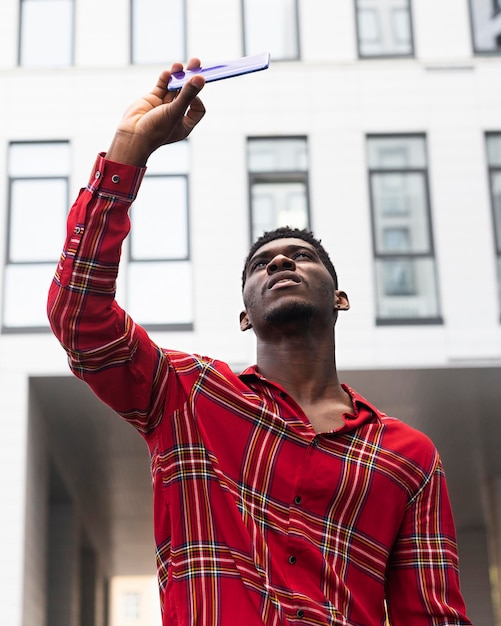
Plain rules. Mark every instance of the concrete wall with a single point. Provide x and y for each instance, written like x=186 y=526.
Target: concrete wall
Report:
x=335 y=100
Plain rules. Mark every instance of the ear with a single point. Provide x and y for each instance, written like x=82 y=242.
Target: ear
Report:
x=341 y=302
x=244 y=321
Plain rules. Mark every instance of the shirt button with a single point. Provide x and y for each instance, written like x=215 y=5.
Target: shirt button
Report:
x=115 y=178
x=298 y=500
x=300 y=613
x=292 y=559
x=283 y=394
x=97 y=174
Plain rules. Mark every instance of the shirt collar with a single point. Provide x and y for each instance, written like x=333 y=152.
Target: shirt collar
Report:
x=363 y=410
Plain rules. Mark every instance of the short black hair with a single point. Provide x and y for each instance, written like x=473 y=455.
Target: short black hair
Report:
x=285 y=232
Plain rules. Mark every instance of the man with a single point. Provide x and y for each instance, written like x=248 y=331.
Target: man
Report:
x=280 y=495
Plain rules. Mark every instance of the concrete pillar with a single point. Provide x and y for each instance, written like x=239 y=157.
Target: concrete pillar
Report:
x=63 y=566
x=475 y=579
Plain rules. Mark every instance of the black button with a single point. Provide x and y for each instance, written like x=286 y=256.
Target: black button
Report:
x=298 y=500
x=292 y=559
x=283 y=394
x=300 y=613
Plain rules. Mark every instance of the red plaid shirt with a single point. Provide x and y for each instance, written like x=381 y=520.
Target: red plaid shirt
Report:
x=258 y=520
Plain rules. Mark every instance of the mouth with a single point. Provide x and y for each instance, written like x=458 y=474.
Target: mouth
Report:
x=283 y=279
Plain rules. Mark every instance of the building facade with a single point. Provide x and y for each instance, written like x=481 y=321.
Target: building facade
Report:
x=377 y=125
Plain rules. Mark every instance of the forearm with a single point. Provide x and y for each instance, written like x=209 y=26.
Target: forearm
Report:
x=84 y=283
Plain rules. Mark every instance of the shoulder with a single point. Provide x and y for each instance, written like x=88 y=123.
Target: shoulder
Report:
x=409 y=442
x=401 y=441
x=187 y=364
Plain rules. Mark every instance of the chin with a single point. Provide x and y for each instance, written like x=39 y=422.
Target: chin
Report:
x=290 y=312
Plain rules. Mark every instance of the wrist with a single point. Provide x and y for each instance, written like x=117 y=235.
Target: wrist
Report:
x=129 y=149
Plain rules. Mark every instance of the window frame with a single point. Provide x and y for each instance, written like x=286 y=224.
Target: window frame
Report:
x=298 y=34
x=6 y=329
x=136 y=262
x=71 y=62
x=494 y=169
x=476 y=51
x=407 y=55
x=399 y=255
x=132 y=47
x=277 y=176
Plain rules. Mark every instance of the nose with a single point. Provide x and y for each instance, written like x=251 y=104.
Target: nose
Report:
x=280 y=263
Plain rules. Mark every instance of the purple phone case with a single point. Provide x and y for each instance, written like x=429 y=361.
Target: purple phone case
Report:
x=244 y=65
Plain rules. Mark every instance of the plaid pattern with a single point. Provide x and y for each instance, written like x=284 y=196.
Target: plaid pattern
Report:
x=257 y=519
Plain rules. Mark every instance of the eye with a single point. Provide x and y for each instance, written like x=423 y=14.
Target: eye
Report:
x=258 y=263
x=302 y=254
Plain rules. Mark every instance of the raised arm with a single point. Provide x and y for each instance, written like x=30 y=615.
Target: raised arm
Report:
x=104 y=346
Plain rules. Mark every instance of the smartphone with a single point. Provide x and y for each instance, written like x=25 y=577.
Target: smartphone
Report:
x=244 y=65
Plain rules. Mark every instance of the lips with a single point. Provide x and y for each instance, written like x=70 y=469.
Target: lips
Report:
x=283 y=277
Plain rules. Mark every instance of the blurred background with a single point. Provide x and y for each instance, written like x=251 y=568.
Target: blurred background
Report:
x=378 y=126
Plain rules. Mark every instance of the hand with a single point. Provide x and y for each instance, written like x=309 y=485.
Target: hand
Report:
x=158 y=118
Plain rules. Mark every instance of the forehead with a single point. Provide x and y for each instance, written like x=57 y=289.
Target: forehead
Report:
x=282 y=246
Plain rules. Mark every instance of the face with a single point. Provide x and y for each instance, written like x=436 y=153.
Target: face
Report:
x=288 y=283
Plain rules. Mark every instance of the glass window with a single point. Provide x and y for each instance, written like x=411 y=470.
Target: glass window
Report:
x=384 y=28
x=271 y=27
x=46 y=33
x=494 y=159
x=38 y=202
x=278 y=182
x=131 y=606
x=486 y=25
x=159 y=292
x=402 y=233
x=158 y=31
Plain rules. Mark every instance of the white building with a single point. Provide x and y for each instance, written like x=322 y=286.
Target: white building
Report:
x=378 y=125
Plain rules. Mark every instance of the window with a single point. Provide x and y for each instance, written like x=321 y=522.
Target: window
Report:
x=131 y=607
x=494 y=159
x=38 y=202
x=271 y=27
x=158 y=31
x=278 y=183
x=402 y=234
x=158 y=287
x=384 y=28
x=46 y=33
x=486 y=25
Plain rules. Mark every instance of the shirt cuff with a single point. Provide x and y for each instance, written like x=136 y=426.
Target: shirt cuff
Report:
x=115 y=179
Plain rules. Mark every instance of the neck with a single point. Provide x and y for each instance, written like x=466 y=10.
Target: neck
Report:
x=304 y=366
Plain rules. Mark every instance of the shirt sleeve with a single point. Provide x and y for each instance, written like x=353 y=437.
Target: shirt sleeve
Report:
x=423 y=578
x=104 y=346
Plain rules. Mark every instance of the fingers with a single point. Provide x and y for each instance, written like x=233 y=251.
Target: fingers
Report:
x=189 y=92
x=193 y=63
x=194 y=114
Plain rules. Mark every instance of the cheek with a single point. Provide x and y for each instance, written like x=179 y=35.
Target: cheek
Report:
x=326 y=290
x=249 y=297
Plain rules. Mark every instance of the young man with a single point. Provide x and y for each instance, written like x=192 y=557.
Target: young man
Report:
x=281 y=496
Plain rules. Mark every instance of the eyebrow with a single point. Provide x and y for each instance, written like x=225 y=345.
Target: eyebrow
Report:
x=293 y=247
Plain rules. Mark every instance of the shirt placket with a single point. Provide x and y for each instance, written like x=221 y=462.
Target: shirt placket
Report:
x=296 y=553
